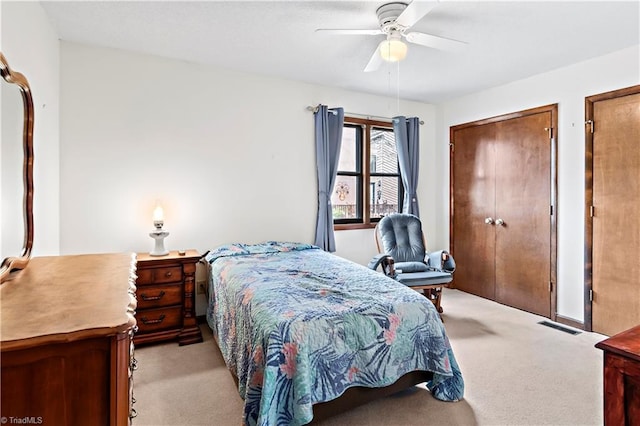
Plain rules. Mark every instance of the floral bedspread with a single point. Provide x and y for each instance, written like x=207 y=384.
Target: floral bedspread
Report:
x=299 y=326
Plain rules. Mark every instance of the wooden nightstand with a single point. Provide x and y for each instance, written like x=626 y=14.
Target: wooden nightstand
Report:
x=166 y=298
x=622 y=378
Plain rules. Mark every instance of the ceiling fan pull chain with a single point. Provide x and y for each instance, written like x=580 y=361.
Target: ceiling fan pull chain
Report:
x=398 y=89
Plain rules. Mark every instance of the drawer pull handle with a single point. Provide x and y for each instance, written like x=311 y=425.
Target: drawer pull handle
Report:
x=167 y=274
x=134 y=364
x=153 y=321
x=146 y=298
x=133 y=414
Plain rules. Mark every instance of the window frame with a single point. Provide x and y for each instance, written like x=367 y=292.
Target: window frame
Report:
x=364 y=175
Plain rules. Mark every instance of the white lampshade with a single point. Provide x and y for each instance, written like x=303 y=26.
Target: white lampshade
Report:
x=393 y=49
x=158 y=214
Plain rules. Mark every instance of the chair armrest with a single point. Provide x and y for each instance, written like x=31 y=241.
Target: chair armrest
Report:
x=387 y=263
x=441 y=260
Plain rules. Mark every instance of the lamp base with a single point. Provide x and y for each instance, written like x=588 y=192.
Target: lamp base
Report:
x=158 y=249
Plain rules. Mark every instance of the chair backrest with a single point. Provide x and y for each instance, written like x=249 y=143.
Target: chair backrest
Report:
x=400 y=235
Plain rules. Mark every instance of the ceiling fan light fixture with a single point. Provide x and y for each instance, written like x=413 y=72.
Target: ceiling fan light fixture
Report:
x=393 y=49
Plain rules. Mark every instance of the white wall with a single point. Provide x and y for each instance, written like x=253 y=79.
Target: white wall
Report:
x=230 y=155
x=31 y=47
x=567 y=87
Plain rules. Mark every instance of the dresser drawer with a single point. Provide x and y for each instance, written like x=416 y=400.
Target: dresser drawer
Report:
x=159 y=295
x=168 y=274
x=150 y=320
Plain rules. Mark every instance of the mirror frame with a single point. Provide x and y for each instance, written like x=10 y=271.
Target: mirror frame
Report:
x=10 y=264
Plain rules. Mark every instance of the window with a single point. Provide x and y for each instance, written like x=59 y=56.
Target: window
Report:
x=368 y=183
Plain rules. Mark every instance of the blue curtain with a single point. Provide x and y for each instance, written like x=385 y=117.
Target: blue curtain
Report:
x=328 y=131
x=407 y=133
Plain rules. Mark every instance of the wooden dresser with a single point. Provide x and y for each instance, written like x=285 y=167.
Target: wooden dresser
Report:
x=67 y=353
x=622 y=378
x=166 y=298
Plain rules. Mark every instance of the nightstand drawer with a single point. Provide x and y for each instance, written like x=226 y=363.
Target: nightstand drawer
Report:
x=169 y=274
x=159 y=295
x=159 y=319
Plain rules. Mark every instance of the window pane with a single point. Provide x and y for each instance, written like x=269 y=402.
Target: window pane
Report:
x=344 y=198
x=348 y=161
x=384 y=195
x=384 y=157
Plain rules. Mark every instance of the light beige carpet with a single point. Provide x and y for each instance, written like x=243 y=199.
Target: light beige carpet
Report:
x=516 y=372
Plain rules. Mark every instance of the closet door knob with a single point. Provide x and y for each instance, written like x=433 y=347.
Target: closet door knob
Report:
x=499 y=222
x=488 y=220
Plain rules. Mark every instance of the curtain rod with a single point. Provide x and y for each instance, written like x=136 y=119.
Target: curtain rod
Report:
x=314 y=109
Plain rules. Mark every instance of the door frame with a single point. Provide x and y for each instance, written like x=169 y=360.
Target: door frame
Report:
x=553 y=201
x=589 y=120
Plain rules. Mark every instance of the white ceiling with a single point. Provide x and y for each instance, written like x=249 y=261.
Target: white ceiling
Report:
x=507 y=40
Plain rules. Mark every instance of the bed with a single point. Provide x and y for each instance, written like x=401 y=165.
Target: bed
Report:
x=304 y=331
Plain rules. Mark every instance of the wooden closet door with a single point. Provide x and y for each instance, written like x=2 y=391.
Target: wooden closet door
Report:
x=502 y=227
x=523 y=193
x=473 y=171
x=616 y=218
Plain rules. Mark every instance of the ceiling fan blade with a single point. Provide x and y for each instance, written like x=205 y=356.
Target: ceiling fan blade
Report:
x=415 y=11
x=348 y=32
x=374 y=62
x=435 y=42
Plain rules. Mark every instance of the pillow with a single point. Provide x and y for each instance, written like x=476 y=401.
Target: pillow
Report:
x=411 y=267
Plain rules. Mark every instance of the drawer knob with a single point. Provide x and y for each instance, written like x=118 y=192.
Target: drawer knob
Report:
x=152 y=321
x=167 y=274
x=146 y=298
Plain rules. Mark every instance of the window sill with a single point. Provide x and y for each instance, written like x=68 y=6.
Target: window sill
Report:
x=351 y=226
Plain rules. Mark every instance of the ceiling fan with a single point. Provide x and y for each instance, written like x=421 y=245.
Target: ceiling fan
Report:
x=395 y=19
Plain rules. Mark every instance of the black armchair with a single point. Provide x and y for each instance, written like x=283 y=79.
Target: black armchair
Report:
x=403 y=256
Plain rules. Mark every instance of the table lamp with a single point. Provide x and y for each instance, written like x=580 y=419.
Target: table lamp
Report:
x=158 y=234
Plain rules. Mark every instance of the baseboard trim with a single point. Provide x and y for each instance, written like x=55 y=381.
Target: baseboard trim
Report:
x=570 y=322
